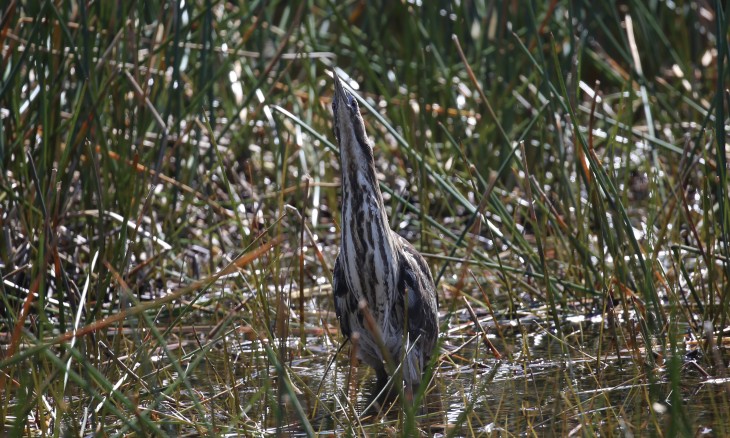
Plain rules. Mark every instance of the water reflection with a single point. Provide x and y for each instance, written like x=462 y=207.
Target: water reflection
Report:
x=589 y=382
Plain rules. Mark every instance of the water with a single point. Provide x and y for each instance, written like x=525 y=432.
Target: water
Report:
x=592 y=383
x=595 y=381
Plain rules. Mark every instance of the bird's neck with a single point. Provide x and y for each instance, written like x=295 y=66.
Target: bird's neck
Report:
x=367 y=241
x=362 y=202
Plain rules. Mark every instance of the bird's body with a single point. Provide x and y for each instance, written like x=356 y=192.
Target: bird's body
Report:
x=378 y=276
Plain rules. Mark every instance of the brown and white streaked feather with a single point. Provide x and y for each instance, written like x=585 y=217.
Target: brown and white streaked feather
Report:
x=375 y=264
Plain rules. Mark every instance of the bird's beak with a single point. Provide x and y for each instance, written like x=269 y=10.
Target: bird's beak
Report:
x=341 y=96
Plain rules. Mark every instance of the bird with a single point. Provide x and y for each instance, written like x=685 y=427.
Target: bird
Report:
x=384 y=293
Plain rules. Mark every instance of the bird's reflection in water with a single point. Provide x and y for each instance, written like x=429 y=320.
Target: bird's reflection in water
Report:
x=338 y=415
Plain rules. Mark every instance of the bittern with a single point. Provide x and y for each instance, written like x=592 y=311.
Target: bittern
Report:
x=383 y=288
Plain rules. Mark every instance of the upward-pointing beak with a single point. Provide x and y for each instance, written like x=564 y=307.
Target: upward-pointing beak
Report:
x=349 y=128
x=341 y=96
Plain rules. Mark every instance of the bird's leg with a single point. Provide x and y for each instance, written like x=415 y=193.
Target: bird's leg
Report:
x=383 y=393
x=382 y=381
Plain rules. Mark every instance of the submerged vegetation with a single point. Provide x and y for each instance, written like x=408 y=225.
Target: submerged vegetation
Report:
x=170 y=214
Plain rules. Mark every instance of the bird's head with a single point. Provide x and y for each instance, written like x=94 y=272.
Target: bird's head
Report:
x=349 y=127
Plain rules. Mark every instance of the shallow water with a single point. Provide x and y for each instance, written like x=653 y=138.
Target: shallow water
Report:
x=540 y=386
x=594 y=383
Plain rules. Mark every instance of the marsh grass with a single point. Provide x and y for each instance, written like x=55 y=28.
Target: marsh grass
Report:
x=170 y=217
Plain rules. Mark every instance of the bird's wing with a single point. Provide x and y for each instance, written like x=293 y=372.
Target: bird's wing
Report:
x=343 y=298
x=419 y=292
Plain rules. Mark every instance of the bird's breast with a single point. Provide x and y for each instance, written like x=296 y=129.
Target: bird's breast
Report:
x=370 y=262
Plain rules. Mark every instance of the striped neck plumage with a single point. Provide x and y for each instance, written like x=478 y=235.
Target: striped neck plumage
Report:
x=367 y=241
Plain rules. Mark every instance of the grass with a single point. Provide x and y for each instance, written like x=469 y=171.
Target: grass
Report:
x=169 y=198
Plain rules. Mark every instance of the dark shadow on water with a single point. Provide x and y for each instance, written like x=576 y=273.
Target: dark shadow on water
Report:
x=430 y=415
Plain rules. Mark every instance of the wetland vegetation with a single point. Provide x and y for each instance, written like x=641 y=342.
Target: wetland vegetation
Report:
x=169 y=199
